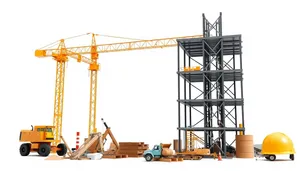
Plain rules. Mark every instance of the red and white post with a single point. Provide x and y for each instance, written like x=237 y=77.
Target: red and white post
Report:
x=77 y=140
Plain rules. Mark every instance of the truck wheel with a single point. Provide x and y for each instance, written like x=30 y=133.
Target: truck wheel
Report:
x=272 y=157
x=25 y=149
x=148 y=157
x=44 y=150
x=292 y=157
x=63 y=149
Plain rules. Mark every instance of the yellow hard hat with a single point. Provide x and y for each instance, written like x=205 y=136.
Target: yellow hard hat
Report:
x=277 y=143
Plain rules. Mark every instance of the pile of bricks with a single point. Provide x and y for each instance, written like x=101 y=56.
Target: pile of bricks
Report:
x=132 y=149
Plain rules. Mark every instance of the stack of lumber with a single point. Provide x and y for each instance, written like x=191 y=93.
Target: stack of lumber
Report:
x=132 y=149
x=111 y=153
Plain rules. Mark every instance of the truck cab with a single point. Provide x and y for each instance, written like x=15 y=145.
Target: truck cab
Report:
x=156 y=152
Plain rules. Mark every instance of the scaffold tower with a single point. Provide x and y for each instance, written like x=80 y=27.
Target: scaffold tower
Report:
x=210 y=88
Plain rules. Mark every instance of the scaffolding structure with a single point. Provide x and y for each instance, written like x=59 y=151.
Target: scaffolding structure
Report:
x=217 y=110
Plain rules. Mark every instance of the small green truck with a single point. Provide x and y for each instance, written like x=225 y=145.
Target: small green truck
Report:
x=158 y=151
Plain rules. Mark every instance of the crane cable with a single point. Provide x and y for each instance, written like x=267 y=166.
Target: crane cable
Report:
x=119 y=37
x=53 y=43
x=72 y=37
x=56 y=42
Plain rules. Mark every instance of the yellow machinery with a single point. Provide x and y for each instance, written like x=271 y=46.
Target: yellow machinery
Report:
x=46 y=139
x=277 y=143
x=61 y=54
x=39 y=140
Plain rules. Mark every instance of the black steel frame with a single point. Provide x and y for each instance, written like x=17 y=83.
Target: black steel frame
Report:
x=219 y=66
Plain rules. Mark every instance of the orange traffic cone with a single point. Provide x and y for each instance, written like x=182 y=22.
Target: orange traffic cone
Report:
x=219 y=157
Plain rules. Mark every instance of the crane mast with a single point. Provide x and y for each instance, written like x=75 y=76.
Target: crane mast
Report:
x=60 y=55
x=61 y=59
x=94 y=67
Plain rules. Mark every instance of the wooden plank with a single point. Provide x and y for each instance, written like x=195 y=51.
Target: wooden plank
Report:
x=121 y=155
x=134 y=155
x=146 y=147
x=124 y=155
x=192 y=157
x=109 y=156
x=109 y=152
x=130 y=143
x=131 y=148
x=115 y=156
x=169 y=159
x=130 y=152
x=118 y=156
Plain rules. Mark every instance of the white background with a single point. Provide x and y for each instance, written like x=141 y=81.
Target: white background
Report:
x=137 y=90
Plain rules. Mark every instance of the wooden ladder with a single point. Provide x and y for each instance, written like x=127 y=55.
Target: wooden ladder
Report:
x=190 y=141
x=192 y=138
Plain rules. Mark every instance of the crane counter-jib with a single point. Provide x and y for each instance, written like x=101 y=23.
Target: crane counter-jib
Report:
x=55 y=53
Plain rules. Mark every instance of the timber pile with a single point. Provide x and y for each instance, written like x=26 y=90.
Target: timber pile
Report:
x=132 y=149
x=111 y=153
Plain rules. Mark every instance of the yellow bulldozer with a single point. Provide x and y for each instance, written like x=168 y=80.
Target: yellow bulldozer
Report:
x=39 y=139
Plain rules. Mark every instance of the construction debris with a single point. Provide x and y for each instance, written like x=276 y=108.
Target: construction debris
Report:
x=132 y=149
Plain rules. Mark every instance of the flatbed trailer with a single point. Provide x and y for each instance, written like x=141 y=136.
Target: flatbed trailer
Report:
x=173 y=158
x=197 y=154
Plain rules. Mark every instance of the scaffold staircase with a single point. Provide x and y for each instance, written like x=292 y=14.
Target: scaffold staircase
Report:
x=192 y=140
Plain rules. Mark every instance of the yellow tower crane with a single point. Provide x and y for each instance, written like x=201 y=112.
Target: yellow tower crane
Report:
x=61 y=55
x=94 y=51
